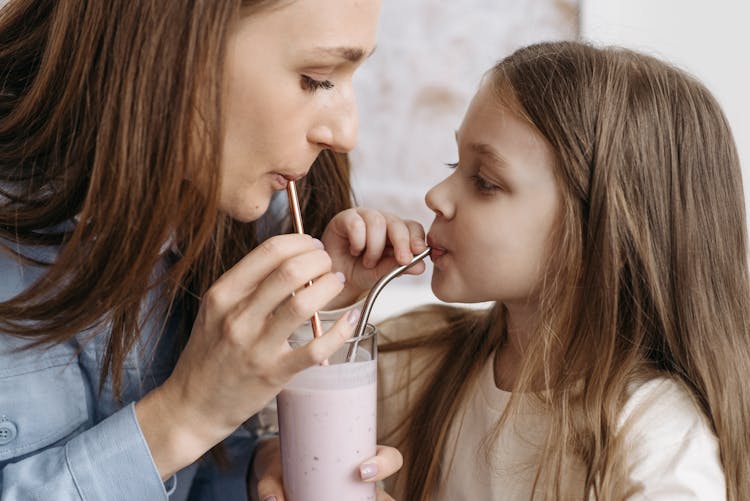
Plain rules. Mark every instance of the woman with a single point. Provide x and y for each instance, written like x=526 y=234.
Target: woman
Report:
x=141 y=322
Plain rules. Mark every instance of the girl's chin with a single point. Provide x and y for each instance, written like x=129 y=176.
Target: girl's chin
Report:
x=453 y=294
x=442 y=291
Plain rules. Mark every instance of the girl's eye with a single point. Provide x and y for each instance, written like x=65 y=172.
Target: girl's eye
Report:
x=451 y=165
x=311 y=85
x=484 y=186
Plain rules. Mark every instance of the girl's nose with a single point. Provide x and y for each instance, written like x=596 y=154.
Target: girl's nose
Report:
x=439 y=201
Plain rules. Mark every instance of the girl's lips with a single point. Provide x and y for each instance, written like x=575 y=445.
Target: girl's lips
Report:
x=437 y=251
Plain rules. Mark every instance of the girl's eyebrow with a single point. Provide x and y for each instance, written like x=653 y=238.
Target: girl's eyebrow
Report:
x=485 y=150
x=488 y=151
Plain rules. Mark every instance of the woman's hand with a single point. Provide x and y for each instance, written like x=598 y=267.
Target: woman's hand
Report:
x=365 y=244
x=238 y=357
x=266 y=472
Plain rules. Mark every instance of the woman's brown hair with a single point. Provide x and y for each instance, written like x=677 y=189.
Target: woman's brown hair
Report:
x=649 y=275
x=105 y=109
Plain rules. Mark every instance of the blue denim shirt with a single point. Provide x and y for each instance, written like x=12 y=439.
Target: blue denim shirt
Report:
x=62 y=439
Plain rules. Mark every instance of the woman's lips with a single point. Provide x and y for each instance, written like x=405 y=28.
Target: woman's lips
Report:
x=281 y=179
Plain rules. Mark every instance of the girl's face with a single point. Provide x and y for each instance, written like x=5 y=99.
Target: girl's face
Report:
x=495 y=212
x=289 y=95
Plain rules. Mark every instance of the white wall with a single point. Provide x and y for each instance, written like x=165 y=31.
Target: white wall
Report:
x=709 y=39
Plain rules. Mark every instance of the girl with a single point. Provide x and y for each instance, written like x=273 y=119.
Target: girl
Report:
x=142 y=321
x=598 y=201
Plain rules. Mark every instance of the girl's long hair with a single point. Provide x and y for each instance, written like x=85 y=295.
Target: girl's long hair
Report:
x=105 y=109
x=649 y=274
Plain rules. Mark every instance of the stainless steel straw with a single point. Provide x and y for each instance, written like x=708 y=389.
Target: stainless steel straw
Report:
x=373 y=294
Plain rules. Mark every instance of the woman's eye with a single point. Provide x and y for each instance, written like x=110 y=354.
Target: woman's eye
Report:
x=483 y=185
x=451 y=165
x=311 y=85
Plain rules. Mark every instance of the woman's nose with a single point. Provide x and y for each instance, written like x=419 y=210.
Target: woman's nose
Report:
x=438 y=200
x=339 y=127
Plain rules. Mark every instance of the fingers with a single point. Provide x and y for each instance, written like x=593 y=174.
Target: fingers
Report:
x=270 y=488
x=417 y=236
x=371 y=232
x=292 y=276
x=350 y=226
x=267 y=469
x=386 y=462
x=398 y=235
x=408 y=239
x=376 y=235
x=251 y=270
x=299 y=308
x=325 y=346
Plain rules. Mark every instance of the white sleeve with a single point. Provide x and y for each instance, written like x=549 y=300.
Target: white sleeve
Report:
x=674 y=453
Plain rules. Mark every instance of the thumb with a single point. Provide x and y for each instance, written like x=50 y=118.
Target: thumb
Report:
x=386 y=462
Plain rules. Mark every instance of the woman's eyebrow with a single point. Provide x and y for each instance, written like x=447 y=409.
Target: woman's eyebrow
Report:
x=351 y=54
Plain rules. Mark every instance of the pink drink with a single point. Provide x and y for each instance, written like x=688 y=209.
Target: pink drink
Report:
x=327 y=422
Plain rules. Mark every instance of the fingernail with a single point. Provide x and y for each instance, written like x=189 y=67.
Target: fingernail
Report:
x=319 y=245
x=353 y=316
x=341 y=277
x=368 y=471
x=270 y=498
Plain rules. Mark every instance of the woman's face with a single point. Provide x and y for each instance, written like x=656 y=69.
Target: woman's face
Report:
x=495 y=212
x=289 y=95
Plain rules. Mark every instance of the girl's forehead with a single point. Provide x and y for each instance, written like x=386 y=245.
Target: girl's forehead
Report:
x=486 y=111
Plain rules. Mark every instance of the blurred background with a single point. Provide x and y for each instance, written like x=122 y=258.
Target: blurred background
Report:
x=413 y=91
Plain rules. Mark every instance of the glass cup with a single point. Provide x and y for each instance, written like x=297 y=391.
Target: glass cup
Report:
x=327 y=423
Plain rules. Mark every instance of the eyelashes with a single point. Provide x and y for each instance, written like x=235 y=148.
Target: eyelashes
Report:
x=482 y=185
x=311 y=85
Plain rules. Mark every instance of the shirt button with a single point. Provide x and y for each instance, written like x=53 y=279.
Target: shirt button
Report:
x=8 y=431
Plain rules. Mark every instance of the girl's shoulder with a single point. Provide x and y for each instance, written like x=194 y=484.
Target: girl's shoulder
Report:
x=663 y=401
x=670 y=443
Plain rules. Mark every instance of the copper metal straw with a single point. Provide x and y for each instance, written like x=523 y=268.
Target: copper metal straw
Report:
x=373 y=294
x=291 y=191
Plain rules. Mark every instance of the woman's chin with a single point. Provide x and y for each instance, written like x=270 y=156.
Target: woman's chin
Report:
x=252 y=210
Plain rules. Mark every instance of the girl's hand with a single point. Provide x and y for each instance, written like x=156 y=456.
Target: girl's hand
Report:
x=266 y=482
x=365 y=244
x=238 y=357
